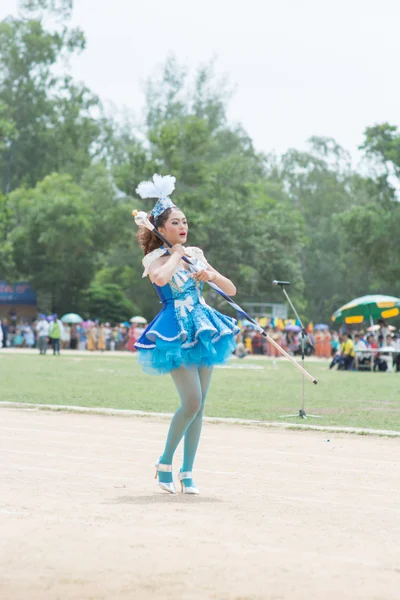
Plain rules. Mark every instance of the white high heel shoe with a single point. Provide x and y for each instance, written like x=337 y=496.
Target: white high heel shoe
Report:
x=167 y=487
x=187 y=489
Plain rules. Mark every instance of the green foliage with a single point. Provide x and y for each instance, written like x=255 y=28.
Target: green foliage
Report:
x=7 y=266
x=383 y=143
x=53 y=240
x=221 y=182
x=371 y=243
x=69 y=176
x=58 y=8
x=108 y=303
x=349 y=399
x=46 y=121
x=323 y=187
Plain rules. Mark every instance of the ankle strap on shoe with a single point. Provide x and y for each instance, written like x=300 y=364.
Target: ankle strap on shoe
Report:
x=185 y=475
x=164 y=468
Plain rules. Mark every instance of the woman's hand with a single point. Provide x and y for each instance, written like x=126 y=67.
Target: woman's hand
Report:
x=204 y=275
x=178 y=250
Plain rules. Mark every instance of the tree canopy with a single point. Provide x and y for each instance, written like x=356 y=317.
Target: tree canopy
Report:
x=68 y=176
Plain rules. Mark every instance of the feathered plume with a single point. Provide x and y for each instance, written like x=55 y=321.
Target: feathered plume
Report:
x=160 y=187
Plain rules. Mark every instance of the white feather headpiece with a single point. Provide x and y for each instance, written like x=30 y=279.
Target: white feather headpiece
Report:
x=159 y=188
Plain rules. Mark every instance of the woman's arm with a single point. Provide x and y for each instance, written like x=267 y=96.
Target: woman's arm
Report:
x=211 y=274
x=161 y=270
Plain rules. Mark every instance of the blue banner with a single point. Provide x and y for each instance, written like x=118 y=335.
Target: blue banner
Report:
x=19 y=293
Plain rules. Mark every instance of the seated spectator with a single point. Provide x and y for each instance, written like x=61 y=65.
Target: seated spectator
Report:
x=248 y=342
x=396 y=357
x=18 y=338
x=371 y=342
x=363 y=359
x=381 y=362
x=257 y=343
x=345 y=358
x=240 y=351
x=337 y=357
x=347 y=351
x=335 y=343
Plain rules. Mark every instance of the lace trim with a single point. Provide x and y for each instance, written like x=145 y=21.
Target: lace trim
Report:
x=151 y=257
x=190 y=344
x=213 y=340
x=166 y=339
x=147 y=347
x=197 y=254
x=193 y=252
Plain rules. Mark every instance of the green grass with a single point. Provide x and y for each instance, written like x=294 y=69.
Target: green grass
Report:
x=347 y=399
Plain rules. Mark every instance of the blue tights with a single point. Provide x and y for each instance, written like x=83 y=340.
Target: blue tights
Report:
x=192 y=385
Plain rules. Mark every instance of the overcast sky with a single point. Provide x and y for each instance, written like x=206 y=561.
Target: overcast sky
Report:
x=300 y=67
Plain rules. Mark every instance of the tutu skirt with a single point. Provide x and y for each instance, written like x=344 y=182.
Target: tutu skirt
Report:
x=191 y=335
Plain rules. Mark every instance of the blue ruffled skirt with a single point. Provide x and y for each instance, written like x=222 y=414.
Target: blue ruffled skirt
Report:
x=201 y=338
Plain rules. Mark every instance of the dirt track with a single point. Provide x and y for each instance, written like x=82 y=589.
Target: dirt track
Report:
x=281 y=515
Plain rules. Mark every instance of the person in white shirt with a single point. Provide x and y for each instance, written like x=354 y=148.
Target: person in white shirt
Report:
x=42 y=331
x=65 y=336
x=360 y=344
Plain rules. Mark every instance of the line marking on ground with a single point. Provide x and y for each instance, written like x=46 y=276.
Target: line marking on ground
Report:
x=227 y=421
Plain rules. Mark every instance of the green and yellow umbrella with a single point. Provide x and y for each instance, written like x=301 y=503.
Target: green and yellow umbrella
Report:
x=367 y=308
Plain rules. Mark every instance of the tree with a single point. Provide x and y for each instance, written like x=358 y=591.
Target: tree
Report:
x=371 y=244
x=222 y=183
x=53 y=240
x=382 y=146
x=47 y=121
x=7 y=266
x=58 y=8
x=383 y=143
x=321 y=185
x=108 y=303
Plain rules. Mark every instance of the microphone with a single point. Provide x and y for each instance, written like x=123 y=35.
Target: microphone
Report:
x=276 y=282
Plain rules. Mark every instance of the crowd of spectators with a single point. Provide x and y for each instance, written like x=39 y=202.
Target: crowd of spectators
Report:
x=49 y=332
x=320 y=342
x=366 y=351
x=347 y=351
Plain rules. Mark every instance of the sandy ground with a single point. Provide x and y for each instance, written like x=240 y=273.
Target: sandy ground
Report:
x=282 y=514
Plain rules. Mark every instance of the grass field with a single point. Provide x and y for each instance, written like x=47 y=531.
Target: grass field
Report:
x=248 y=389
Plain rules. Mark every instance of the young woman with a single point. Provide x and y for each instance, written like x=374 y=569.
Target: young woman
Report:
x=187 y=337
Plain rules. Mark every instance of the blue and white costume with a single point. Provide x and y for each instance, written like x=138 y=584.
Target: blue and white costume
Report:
x=187 y=332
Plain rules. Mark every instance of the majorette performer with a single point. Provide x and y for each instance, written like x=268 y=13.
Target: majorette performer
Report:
x=188 y=337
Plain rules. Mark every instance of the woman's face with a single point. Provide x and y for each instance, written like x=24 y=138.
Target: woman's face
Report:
x=175 y=229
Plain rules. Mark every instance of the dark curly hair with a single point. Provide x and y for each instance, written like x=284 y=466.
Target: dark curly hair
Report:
x=147 y=240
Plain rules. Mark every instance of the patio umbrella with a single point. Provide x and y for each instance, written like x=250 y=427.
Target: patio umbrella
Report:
x=71 y=318
x=367 y=308
x=294 y=328
x=139 y=320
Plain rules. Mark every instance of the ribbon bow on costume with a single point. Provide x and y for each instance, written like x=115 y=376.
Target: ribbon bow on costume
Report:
x=186 y=304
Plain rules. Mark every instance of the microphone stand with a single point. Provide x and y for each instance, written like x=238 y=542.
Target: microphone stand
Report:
x=302 y=412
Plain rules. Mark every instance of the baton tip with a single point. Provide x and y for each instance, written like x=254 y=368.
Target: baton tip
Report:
x=315 y=381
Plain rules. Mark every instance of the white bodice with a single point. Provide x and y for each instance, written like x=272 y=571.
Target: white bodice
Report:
x=180 y=274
